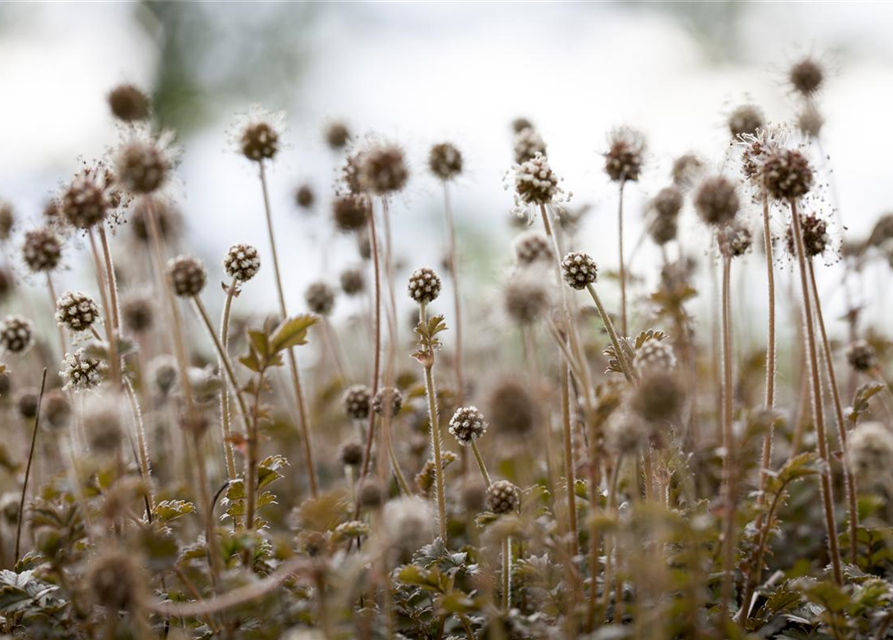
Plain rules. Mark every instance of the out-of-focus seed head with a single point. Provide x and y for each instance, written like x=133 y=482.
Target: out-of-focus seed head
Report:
x=810 y=120
x=667 y=202
x=512 y=408
x=424 y=285
x=653 y=356
x=242 y=262
x=41 y=250
x=167 y=219
x=734 y=240
x=388 y=399
x=716 y=201
x=350 y=213
x=81 y=372
x=337 y=135
x=521 y=123
x=138 y=314
x=625 y=154
x=383 y=170
x=187 y=276
x=102 y=423
x=7 y=220
x=526 y=300
x=76 y=311
x=56 y=409
x=787 y=175
x=26 y=403
x=536 y=183
x=806 y=76
x=163 y=374
x=86 y=201
x=503 y=497
x=467 y=425
x=364 y=246
x=663 y=229
x=445 y=161
x=882 y=233
x=861 y=356
x=473 y=496
x=625 y=432
x=7 y=283
x=533 y=247
x=305 y=198
x=351 y=453
x=320 y=298
x=528 y=144
x=115 y=580
x=128 y=103
x=579 y=270
x=870 y=453
x=408 y=524
x=357 y=402
x=746 y=120
x=370 y=494
x=686 y=169
x=143 y=164
x=352 y=281
x=816 y=238
x=259 y=141
x=16 y=334
x=659 y=397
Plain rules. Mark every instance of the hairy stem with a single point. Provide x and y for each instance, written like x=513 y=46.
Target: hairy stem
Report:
x=226 y=434
x=612 y=335
x=454 y=269
x=623 y=321
x=570 y=479
x=43 y=384
x=729 y=472
x=477 y=456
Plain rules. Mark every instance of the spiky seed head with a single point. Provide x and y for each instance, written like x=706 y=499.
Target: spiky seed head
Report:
x=388 y=399
x=41 y=250
x=383 y=170
x=350 y=213
x=142 y=166
x=528 y=144
x=128 y=103
x=304 y=197
x=659 y=397
x=521 y=123
x=467 y=425
x=26 y=403
x=746 y=120
x=535 y=182
x=187 y=276
x=115 y=580
x=503 y=497
x=870 y=453
x=787 y=174
x=445 y=161
x=533 y=247
x=526 y=300
x=424 y=285
x=806 y=76
x=7 y=220
x=370 y=494
x=512 y=408
x=716 y=201
x=138 y=314
x=663 y=229
x=579 y=270
x=734 y=240
x=337 y=135
x=85 y=202
x=352 y=281
x=16 y=334
x=357 y=401
x=625 y=432
x=77 y=311
x=81 y=372
x=351 y=453
x=242 y=262
x=810 y=120
x=259 y=140
x=667 y=202
x=861 y=356
x=653 y=356
x=816 y=238
x=686 y=169
x=625 y=154
x=56 y=408
x=320 y=298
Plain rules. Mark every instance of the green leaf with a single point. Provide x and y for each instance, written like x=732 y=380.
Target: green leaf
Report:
x=291 y=333
x=168 y=510
x=268 y=470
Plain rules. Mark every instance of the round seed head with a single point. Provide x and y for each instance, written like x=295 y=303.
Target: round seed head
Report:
x=806 y=76
x=137 y=314
x=526 y=300
x=658 y=398
x=115 y=580
x=259 y=141
x=528 y=144
x=41 y=250
x=320 y=298
x=716 y=201
x=7 y=220
x=668 y=202
x=350 y=213
x=734 y=240
x=625 y=154
x=351 y=453
x=85 y=202
x=364 y=245
x=625 y=432
x=167 y=219
x=787 y=174
x=870 y=453
x=16 y=334
x=304 y=196
x=81 y=372
x=474 y=496
x=535 y=182
x=142 y=166
x=337 y=135
x=686 y=169
x=815 y=236
x=242 y=262
x=519 y=124
x=128 y=103
x=371 y=494
x=352 y=281
x=163 y=374
x=861 y=356
x=77 y=311
x=26 y=403
x=424 y=285
x=810 y=120
x=503 y=497
x=654 y=355
x=579 y=270
x=532 y=247
x=187 y=276
x=56 y=408
x=746 y=120
x=663 y=229
x=383 y=170
x=467 y=425
x=357 y=401
x=388 y=399
x=512 y=408
x=445 y=161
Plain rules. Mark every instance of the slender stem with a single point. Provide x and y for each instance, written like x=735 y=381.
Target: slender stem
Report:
x=433 y=416
x=623 y=322
x=142 y=443
x=398 y=472
x=211 y=538
x=111 y=335
x=816 y=399
x=111 y=280
x=332 y=341
x=454 y=272
x=228 y=454
x=570 y=478
x=304 y=425
x=53 y=298
x=43 y=384
x=376 y=356
x=252 y=430
x=507 y=572
x=612 y=334
x=728 y=475
x=477 y=456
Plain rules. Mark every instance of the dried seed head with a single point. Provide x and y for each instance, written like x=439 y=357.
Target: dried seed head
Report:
x=625 y=154
x=167 y=219
x=163 y=374
x=519 y=124
x=653 y=356
x=320 y=298
x=128 y=103
x=473 y=496
x=746 y=120
x=187 y=276
x=528 y=144
x=467 y=425
x=667 y=202
x=364 y=245
x=242 y=262
x=81 y=372
x=512 y=408
x=350 y=213
x=806 y=76
x=716 y=201
x=16 y=334
x=143 y=164
x=532 y=247
x=357 y=401
x=658 y=398
x=734 y=240
x=686 y=169
x=304 y=196
x=445 y=161
x=86 y=201
x=56 y=409
x=352 y=281
x=815 y=236
x=41 y=250
x=388 y=399
x=536 y=183
x=383 y=170
x=579 y=270
x=337 y=135
x=370 y=494
x=259 y=141
x=115 y=580
x=663 y=229
x=503 y=497
x=77 y=311
x=424 y=285
x=625 y=432
x=26 y=403
x=870 y=453
x=138 y=314
x=810 y=120
x=861 y=356
x=526 y=300
x=408 y=524
x=7 y=220
x=351 y=453
x=787 y=175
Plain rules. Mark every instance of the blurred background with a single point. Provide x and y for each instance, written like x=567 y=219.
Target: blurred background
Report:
x=418 y=74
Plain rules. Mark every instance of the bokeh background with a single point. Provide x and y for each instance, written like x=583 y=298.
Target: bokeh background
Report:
x=421 y=73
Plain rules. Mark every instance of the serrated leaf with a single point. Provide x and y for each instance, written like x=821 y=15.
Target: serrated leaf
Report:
x=168 y=510
x=292 y=332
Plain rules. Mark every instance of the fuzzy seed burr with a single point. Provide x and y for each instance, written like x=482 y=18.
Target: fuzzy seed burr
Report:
x=187 y=275
x=115 y=580
x=383 y=170
x=521 y=123
x=658 y=398
x=370 y=494
x=7 y=220
x=503 y=497
x=686 y=169
x=128 y=103
x=242 y=262
x=350 y=213
x=625 y=154
x=388 y=399
x=77 y=311
x=320 y=298
x=870 y=453
x=861 y=356
x=735 y=240
x=85 y=202
x=167 y=219
x=259 y=141
x=357 y=402
x=16 y=334
x=787 y=174
x=535 y=182
x=424 y=285
x=138 y=314
x=810 y=120
x=41 y=250
x=816 y=238
x=532 y=247
x=663 y=229
x=81 y=372
x=57 y=408
x=654 y=355
x=351 y=453
x=142 y=165
x=528 y=144
x=579 y=270
x=467 y=425
x=526 y=300
x=667 y=202
x=746 y=120
x=305 y=198
x=806 y=76
x=26 y=403
x=716 y=201
x=445 y=161
x=337 y=135
x=352 y=281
